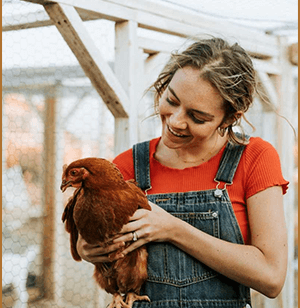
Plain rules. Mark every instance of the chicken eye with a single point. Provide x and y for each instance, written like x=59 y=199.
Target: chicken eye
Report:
x=73 y=172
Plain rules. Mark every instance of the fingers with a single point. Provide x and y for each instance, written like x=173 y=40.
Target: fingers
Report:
x=131 y=226
x=140 y=242
x=138 y=214
x=100 y=254
x=127 y=237
x=95 y=253
x=148 y=226
x=139 y=224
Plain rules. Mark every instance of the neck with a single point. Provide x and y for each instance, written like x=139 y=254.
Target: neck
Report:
x=199 y=154
x=181 y=158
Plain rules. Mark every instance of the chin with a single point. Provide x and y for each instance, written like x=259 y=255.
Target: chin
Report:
x=172 y=141
x=175 y=142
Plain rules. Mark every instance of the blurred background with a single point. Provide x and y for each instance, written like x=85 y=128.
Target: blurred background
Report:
x=53 y=113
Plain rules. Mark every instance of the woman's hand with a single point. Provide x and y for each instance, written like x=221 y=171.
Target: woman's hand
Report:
x=150 y=226
x=95 y=253
x=155 y=225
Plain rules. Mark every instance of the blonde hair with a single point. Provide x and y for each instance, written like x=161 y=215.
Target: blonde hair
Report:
x=228 y=68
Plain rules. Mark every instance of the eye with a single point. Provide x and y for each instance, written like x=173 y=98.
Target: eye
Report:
x=195 y=119
x=171 y=102
x=73 y=172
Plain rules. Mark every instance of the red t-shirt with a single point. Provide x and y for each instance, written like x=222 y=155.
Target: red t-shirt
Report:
x=259 y=168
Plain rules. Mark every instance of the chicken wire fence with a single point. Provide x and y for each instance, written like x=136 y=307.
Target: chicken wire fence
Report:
x=52 y=116
x=24 y=206
x=40 y=71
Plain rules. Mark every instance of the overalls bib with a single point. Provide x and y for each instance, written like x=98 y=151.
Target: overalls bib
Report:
x=175 y=279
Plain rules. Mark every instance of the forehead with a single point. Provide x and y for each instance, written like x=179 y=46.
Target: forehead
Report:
x=189 y=86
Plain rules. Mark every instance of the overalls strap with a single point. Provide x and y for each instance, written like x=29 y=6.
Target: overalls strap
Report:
x=230 y=161
x=228 y=164
x=141 y=163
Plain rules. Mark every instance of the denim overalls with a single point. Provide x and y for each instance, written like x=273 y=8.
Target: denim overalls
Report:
x=175 y=279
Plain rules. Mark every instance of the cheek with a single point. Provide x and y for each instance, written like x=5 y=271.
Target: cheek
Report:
x=203 y=131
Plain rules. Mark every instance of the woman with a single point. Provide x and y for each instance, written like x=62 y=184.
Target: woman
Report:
x=217 y=225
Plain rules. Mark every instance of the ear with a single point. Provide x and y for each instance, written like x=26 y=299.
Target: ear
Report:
x=85 y=173
x=230 y=120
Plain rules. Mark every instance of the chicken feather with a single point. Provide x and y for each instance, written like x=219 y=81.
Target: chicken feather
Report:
x=102 y=204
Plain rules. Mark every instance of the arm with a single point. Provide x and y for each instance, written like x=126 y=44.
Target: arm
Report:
x=261 y=265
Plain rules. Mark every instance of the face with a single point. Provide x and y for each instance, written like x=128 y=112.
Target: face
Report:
x=190 y=109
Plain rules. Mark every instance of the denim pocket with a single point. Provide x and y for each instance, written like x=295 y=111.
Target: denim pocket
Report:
x=170 y=265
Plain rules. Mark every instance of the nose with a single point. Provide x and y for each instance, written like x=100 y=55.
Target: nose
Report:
x=177 y=120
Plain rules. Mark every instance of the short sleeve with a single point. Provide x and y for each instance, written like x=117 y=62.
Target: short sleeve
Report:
x=124 y=163
x=263 y=168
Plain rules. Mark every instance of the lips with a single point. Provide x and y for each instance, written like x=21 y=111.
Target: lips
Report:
x=175 y=133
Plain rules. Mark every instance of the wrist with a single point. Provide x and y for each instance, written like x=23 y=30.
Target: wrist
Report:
x=173 y=229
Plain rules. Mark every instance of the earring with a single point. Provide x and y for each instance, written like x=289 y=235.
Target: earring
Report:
x=221 y=131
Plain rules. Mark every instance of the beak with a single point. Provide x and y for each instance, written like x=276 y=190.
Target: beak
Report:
x=64 y=185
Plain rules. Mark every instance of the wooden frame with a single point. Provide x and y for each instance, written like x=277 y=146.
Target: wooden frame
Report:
x=120 y=89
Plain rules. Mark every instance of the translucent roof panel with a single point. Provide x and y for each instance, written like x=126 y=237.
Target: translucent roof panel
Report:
x=278 y=17
x=45 y=46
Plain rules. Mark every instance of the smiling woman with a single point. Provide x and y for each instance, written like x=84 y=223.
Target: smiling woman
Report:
x=191 y=110
x=217 y=227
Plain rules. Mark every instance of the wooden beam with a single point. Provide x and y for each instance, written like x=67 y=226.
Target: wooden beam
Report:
x=266 y=66
x=32 y=77
x=37 y=19
x=126 y=48
x=26 y=21
x=71 y=27
x=206 y=25
x=268 y=90
x=286 y=143
x=154 y=65
x=174 y=21
x=293 y=53
x=49 y=195
x=153 y=46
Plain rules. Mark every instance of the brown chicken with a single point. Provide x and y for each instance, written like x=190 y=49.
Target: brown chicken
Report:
x=101 y=205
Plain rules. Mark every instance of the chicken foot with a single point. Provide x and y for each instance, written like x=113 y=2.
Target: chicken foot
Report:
x=131 y=297
x=117 y=301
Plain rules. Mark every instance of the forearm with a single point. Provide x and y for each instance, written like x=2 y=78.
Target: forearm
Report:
x=261 y=265
x=245 y=264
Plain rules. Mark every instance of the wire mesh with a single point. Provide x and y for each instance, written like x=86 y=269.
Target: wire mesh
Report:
x=49 y=106
x=52 y=116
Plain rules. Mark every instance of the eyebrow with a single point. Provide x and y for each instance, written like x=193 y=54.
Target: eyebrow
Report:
x=173 y=92
x=210 y=116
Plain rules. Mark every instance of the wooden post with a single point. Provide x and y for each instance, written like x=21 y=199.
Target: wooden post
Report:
x=71 y=27
x=126 y=48
x=293 y=53
x=49 y=193
x=286 y=141
x=153 y=65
